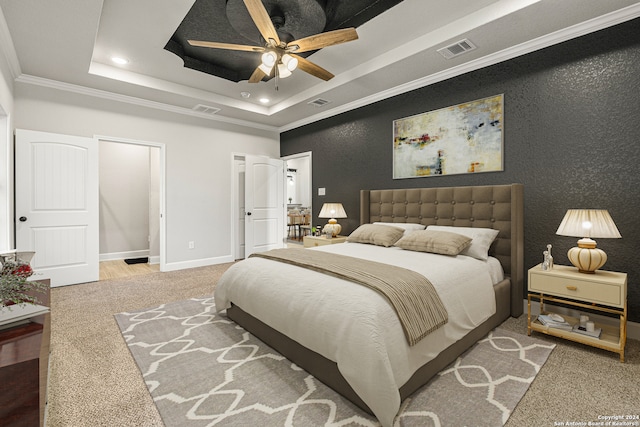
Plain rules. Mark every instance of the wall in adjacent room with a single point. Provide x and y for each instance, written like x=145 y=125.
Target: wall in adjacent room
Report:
x=571 y=117
x=125 y=182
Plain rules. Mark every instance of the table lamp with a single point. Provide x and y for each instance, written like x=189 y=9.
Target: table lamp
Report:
x=333 y=211
x=588 y=223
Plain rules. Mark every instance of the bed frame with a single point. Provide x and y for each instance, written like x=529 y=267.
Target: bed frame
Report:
x=494 y=206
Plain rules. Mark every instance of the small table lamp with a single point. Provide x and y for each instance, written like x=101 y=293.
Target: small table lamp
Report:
x=333 y=211
x=588 y=223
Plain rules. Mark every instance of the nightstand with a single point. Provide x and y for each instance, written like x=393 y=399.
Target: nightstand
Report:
x=312 y=241
x=604 y=291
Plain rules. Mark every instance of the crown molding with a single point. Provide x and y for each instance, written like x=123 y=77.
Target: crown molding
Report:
x=98 y=93
x=578 y=30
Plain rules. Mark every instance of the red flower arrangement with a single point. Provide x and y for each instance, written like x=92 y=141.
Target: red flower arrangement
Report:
x=14 y=279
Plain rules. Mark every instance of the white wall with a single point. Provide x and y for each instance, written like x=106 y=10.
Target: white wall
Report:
x=199 y=156
x=154 y=205
x=124 y=200
x=6 y=156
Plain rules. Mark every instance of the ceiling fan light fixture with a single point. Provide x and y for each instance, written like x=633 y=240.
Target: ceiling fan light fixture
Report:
x=290 y=62
x=265 y=69
x=283 y=71
x=269 y=58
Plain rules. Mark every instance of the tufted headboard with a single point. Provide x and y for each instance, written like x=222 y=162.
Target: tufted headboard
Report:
x=489 y=206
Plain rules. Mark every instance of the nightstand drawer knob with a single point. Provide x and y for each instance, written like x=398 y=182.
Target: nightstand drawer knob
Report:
x=572 y=288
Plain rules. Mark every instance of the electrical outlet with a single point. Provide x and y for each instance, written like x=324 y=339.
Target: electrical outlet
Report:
x=192 y=245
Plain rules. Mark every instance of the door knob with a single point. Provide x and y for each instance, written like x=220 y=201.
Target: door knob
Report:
x=23 y=218
x=249 y=213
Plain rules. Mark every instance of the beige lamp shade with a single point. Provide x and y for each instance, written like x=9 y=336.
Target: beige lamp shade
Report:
x=332 y=211
x=588 y=223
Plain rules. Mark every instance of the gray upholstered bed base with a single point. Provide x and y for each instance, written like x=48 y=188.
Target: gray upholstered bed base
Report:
x=499 y=207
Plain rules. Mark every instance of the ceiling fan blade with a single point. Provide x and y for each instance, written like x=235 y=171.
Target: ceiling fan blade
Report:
x=228 y=46
x=257 y=76
x=262 y=20
x=313 y=69
x=321 y=40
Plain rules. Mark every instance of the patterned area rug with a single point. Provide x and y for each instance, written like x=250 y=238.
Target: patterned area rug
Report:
x=203 y=370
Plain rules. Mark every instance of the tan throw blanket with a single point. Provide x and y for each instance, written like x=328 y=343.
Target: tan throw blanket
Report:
x=414 y=298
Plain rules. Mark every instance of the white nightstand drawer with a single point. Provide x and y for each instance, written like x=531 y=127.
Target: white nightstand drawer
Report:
x=603 y=287
x=600 y=293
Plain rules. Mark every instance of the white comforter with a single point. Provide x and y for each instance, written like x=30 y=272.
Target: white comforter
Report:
x=355 y=326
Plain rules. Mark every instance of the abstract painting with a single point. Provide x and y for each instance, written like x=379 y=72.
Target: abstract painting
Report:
x=464 y=138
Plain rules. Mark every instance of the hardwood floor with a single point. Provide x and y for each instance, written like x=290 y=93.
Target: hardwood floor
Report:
x=118 y=269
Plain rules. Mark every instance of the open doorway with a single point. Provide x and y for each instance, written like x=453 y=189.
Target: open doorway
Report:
x=298 y=193
x=130 y=208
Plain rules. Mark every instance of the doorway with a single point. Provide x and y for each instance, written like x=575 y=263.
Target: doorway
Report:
x=299 y=193
x=130 y=211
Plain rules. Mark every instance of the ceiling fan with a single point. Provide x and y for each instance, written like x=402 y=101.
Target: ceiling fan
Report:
x=279 y=57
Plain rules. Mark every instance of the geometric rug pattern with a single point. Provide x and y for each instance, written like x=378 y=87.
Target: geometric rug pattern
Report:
x=204 y=370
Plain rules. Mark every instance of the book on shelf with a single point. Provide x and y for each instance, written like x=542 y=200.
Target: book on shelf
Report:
x=582 y=330
x=546 y=320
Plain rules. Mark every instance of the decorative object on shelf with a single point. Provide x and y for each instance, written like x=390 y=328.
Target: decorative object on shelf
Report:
x=545 y=260
x=332 y=211
x=588 y=223
x=549 y=257
x=15 y=271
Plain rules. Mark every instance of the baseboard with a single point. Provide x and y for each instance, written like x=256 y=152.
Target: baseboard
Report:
x=633 y=328
x=174 y=266
x=154 y=259
x=114 y=256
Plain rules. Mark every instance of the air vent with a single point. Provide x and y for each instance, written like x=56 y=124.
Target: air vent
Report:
x=319 y=102
x=205 y=109
x=463 y=46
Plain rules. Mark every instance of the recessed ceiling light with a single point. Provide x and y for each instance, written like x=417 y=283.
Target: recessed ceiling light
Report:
x=119 y=60
x=264 y=100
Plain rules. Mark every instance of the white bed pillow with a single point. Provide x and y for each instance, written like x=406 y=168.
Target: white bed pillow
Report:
x=376 y=234
x=482 y=238
x=408 y=227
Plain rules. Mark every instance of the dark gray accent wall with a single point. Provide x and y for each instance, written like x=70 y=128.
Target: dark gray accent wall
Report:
x=571 y=119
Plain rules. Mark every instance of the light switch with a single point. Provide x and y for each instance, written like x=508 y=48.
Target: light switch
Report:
x=321 y=191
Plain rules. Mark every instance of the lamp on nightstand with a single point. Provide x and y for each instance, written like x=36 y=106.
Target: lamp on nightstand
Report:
x=333 y=211
x=588 y=223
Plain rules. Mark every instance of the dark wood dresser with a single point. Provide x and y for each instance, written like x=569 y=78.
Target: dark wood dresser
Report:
x=24 y=363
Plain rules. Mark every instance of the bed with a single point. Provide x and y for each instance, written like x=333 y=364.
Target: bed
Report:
x=306 y=315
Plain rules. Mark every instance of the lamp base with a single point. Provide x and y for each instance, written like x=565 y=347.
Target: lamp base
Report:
x=332 y=226
x=586 y=257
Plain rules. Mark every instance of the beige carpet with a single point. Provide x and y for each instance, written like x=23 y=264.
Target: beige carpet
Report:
x=94 y=381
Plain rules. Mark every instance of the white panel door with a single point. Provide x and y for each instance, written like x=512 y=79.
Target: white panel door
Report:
x=264 y=204
x=57 y=205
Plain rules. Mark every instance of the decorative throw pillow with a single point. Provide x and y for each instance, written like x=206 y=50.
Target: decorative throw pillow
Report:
x=437 y=242
x=482 y=238
x=376 y=234
x=408 y=227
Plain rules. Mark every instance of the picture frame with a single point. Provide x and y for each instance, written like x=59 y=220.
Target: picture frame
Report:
x=460 y=139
